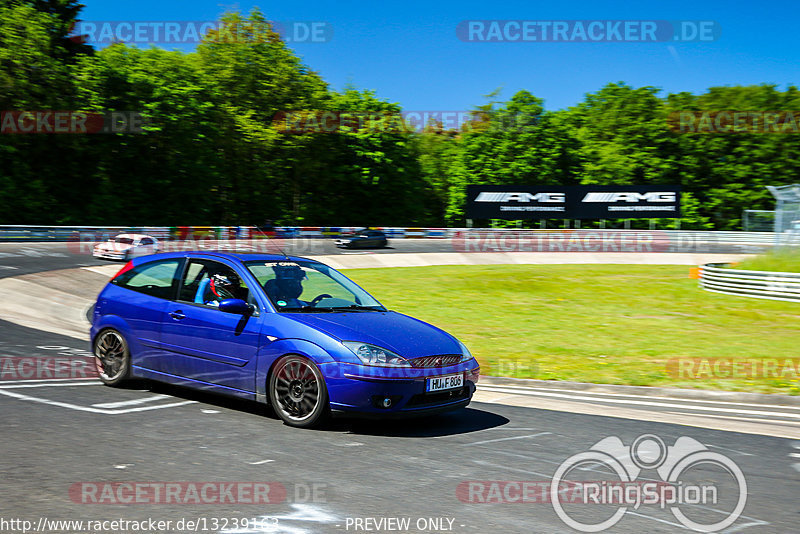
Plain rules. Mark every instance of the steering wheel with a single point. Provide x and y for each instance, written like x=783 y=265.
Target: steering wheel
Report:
x=319 y=298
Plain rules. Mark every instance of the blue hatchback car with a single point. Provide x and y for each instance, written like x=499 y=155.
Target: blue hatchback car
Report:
x=288 y=331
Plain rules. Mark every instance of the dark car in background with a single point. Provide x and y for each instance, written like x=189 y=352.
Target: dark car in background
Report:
x=364 y=239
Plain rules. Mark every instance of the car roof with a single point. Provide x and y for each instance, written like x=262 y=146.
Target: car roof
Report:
x=237 y=257
x=133 y=236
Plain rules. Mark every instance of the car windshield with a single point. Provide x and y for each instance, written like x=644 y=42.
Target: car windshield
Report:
x=124 y=240
x=307 y=286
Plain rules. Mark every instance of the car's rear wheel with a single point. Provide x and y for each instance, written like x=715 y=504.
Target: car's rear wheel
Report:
x=298 y=393
x=112 y=357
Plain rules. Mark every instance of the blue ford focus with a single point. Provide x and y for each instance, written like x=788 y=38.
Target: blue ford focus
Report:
x=287 y=331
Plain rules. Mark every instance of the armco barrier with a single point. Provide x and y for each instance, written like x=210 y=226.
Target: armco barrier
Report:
x=21 y=233
x=757 y=284
x=680 y=240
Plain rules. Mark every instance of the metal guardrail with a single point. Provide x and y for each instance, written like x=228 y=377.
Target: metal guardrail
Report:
x=756 y=284
x=22 y=233
x=463 y=239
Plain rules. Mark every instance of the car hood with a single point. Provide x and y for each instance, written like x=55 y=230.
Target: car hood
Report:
x=113 y=247
x=408 y=337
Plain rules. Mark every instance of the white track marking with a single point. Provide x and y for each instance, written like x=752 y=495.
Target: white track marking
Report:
x=303 y=513
x=509 y=468
x=670 y=523
x=523 y=389
x=89 y=408
x=59 y=384
x=734 y=418
x=105 y=270
x=261 y=462
x=506 y=439
x=730 y=450
x=47 y=381
x=133 y=402
x=648 y=403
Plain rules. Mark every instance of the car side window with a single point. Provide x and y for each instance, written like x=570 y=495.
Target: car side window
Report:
x=147 y=241
x=157 y=278
x=209 y=282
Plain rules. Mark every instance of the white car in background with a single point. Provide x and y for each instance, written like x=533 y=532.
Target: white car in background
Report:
x=126 y=246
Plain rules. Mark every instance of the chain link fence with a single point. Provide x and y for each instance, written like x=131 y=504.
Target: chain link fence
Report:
x=758 y=220
x=787 y=214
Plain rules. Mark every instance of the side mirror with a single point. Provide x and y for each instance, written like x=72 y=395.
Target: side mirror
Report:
x=235 y=306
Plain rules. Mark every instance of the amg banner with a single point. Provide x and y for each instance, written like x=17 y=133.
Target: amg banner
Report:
x=573 y=202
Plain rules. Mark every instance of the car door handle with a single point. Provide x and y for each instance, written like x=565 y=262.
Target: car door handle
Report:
x=177 y=315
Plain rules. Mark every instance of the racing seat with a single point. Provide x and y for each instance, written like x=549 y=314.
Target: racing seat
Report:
x=201 y=290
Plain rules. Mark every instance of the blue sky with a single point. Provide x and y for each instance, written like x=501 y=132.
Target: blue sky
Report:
x=408 y=52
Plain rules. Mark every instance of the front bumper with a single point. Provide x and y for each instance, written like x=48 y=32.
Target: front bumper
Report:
x=461 y=400
x=360 y=390
x=109 y=255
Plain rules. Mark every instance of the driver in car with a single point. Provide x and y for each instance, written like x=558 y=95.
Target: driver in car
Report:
x=287 y=286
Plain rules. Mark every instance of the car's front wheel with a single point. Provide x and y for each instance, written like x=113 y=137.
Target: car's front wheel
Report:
x=112 y=357
x=298 y=393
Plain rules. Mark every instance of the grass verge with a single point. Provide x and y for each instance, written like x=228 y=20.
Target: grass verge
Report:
x=613 y=324
x=781 y=260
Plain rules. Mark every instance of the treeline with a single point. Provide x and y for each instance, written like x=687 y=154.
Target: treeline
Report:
x=211 y=154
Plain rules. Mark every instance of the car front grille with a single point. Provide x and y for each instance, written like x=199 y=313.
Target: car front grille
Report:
x=432 y=399
x=436 y=361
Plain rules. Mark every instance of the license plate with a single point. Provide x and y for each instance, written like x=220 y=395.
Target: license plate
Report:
x=440 y=383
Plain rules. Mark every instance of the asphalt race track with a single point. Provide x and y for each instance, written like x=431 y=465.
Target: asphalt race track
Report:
x=65 y=439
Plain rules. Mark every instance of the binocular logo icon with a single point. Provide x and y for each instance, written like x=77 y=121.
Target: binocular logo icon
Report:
x=647 y=452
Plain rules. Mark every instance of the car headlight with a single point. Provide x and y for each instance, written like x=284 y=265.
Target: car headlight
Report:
x=373 y=355
x=466 y=355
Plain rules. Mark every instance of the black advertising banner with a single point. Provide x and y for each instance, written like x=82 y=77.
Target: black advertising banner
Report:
x=573 y=202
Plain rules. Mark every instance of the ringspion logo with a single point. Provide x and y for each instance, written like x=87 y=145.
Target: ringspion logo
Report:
x=673 y=465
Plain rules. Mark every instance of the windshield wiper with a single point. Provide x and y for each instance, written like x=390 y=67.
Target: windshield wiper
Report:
x=303 y=309
x=331 y=309
x=357 y=307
